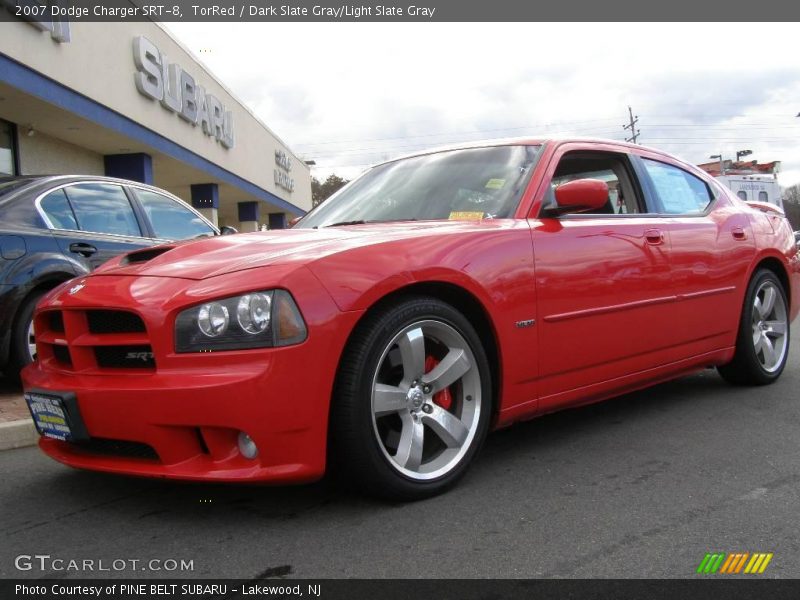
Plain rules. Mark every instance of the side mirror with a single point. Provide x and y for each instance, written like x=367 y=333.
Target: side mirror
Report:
x=294 y=221
x=581 y=195
x=228 y=230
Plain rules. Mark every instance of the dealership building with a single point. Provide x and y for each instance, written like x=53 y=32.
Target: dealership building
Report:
x=128 y=100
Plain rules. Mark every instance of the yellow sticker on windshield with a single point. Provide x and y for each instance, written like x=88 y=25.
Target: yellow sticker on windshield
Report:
x=465 y=215
x=495 y=184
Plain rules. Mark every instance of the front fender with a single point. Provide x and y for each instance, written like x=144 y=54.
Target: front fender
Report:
x=494 y=263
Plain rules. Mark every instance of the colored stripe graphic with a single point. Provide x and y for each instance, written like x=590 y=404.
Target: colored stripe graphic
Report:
x=711 y=562
x=734 y=562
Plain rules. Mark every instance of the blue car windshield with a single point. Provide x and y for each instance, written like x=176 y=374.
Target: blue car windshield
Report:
x=470 y=183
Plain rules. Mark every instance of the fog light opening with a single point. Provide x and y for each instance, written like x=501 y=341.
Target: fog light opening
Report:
x=247 y=446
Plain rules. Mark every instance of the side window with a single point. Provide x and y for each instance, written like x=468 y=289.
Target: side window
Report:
x=56 y=207
x=762 y=197
x=103 y=208
x=679 y=192
x=606 y=167
x=742 y=194
x=171 y=220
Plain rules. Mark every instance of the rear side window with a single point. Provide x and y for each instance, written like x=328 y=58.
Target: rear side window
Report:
x=171 y=220
x=103 y=208
x=56 y=207
x=679 y=192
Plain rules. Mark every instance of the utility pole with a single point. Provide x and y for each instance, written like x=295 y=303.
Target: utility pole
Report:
x=632 y=127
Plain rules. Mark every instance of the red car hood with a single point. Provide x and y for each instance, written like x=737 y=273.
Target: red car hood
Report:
x=227 y=254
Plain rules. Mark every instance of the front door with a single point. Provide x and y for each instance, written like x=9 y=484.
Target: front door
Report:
x=603 y=283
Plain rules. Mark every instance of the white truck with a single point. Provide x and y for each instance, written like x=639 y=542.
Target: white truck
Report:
x=758 y=188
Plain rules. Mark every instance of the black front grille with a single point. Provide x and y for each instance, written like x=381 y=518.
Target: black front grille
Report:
x=56 y=321
x=125 y=357
x=61 y=354
x=114 y=321
x=106 y=447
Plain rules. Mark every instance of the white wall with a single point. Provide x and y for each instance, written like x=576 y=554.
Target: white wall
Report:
x=41 y=154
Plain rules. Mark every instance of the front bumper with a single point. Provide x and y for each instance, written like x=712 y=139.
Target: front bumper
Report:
x=182 y=419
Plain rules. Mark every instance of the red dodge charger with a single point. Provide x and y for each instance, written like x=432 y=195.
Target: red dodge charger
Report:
x=432 y=299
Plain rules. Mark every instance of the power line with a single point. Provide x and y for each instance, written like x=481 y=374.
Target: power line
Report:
x=545 y=128
x=631 y=126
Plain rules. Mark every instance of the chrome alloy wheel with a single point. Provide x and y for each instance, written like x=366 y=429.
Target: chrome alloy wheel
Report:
x=769 y=326
x=426 y=400
x=31 y=341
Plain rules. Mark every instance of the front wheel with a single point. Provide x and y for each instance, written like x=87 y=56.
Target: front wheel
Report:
x=412 y=402
x=762 y=344
x=23 y=336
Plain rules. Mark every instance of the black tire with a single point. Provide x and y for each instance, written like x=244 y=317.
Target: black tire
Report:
x=20 y=355
x=746 y=368
x=358 y=455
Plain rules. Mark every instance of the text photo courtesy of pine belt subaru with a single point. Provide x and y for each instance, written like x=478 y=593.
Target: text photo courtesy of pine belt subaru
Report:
x=56 y=227
x=434 y=298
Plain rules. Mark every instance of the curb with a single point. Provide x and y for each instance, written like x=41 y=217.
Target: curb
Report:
x=18 y=434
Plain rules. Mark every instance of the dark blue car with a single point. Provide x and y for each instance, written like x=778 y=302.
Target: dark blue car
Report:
x=54 y=228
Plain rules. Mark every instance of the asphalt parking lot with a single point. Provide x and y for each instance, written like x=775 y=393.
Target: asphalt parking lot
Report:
x=640 y=486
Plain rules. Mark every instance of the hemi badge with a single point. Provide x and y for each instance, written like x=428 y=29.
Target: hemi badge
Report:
x=526 y=323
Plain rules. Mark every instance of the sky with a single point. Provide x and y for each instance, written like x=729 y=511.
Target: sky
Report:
x=348 y=95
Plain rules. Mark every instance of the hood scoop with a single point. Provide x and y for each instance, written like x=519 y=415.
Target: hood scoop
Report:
x=143 y=256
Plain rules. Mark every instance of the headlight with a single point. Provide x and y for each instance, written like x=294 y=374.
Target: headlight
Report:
x=254 y=320
x=212 y=319
x=253 y=312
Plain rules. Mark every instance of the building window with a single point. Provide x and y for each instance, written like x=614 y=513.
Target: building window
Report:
x=8 y=150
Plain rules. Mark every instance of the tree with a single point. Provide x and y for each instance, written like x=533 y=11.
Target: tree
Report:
x=322 y=190
x=791 y=205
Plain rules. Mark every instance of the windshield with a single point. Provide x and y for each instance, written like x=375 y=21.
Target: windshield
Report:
x=460 y=184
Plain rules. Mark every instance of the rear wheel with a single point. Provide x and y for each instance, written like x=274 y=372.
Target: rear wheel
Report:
x=762 y=344
x=412 y=401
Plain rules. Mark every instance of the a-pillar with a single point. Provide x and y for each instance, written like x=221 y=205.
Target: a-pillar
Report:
x=248 y=216
x=205 y=198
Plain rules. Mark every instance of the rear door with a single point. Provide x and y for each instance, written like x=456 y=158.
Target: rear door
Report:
x=711 y=246
x=92 y=221
x=603 y=281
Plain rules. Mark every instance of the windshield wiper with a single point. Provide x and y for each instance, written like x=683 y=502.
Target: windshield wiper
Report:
x=340 y=223
x=363 y=221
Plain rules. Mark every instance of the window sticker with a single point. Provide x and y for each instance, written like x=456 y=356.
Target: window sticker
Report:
x=465 y=215
x=495 y=184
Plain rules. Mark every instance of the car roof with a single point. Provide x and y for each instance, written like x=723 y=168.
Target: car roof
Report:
x=529 y=141
x=42 y=179
x=40 y=182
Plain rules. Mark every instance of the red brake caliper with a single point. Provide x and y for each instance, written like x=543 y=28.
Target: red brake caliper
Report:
x=443 y=398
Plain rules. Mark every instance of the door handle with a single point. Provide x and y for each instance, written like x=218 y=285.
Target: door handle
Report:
x=85 y=250
x=654 y=236
x=738 y=233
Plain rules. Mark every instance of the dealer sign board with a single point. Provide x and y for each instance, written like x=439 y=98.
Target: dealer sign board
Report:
x=283 y=164
x=178 y=92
